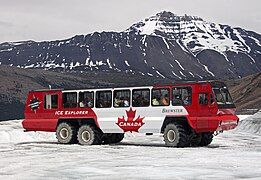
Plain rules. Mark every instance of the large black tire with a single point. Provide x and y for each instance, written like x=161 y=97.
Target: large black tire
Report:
x=111 y=138
x=175 y=135
x=89 y=135
x=66 y=133
x=206 y=139
x=118 y=137
x=195 y=140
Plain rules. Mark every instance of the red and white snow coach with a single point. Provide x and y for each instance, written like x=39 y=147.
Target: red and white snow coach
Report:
x=188 y=114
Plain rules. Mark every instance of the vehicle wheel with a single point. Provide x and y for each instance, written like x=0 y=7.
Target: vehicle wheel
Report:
x=175 y=135
x=66 y=133
x=206 y=139
x=195 y=141
x=88 y=135
x=118 y=137
x=110 y=138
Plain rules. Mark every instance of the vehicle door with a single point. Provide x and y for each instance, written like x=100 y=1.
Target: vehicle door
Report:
x=203 y=110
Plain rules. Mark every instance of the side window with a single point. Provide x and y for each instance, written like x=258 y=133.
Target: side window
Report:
x=182 y=96
x=219 y=97
x=121 y=98
x=103 y=99
x=140 y=97
x=51 y=101
x=203 y=98
x=86 y=99
x=70 y=100
x=160 y=97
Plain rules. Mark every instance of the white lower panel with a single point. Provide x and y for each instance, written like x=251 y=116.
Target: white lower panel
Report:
x=153 y=117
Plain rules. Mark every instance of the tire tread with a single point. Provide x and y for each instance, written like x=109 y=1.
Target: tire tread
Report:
x=182 y=135
x=206 y=139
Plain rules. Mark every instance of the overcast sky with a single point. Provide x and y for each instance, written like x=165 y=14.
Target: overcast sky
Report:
x=58 y=19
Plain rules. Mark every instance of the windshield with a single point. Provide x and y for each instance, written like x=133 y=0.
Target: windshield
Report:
x=222 y=96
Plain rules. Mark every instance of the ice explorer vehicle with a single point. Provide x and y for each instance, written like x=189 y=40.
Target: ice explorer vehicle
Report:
x=187 y=114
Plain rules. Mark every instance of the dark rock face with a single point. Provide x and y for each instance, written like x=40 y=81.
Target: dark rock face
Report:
x=246 y=93
x=162 y=46
x=11 y=110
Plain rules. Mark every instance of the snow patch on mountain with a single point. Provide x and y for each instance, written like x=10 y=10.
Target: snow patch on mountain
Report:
x=109 y=64
x=164 y=40
x=127 y=63
x=179 y=65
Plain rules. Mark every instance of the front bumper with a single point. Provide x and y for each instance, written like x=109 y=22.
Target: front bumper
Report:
x=227 y=125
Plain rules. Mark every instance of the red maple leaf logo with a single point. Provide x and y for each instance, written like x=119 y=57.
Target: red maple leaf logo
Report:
x=130 y=124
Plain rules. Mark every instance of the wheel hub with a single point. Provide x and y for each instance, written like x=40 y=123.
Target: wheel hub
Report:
x=171 y=135
x=86 y=136
x=64 y=133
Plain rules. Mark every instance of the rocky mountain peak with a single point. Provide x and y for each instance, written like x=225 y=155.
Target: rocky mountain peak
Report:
x=169 y=16
x=163 y=22
x=166 y=16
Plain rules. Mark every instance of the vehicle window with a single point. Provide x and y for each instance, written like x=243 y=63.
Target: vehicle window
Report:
x=121 y=98
x=182 y=96
x=140 y=97
x=70 y=100
x=103 y=99
x=219 y=97
x=203 y=98
x=51 y=101
x=160 y=97
x=226 y=96
x=86 y=99
x=222 y=96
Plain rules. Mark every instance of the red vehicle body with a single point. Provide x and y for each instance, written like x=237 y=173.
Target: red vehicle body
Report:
x=194 y=110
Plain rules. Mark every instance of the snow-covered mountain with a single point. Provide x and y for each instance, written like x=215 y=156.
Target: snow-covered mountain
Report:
x=197 y=34
x=165 y=45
